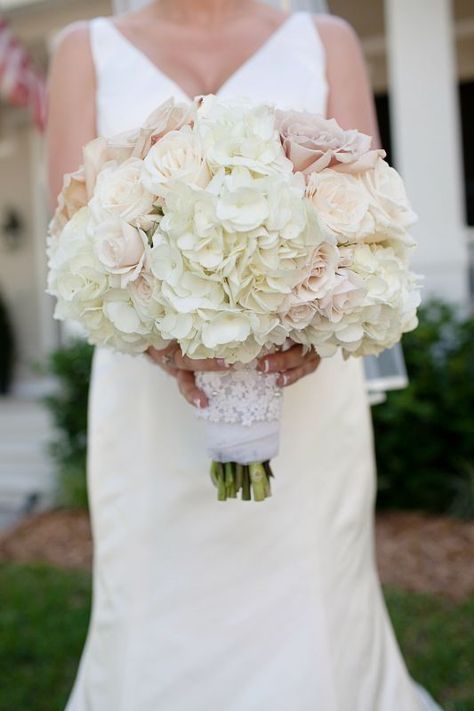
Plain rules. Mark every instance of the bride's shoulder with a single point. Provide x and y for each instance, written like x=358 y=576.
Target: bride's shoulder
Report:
x=72 y=56
x=340 y=40
x=73 y=37
x=335 y=32
x=71 y=48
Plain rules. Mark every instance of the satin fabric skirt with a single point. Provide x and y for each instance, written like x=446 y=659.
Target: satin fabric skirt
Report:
x=201 y=605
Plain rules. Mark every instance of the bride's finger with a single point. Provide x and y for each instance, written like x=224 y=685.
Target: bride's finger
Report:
x=284 y=360
x=192 y=364
x=189 y=390
x=161 y=362
x=289 y=377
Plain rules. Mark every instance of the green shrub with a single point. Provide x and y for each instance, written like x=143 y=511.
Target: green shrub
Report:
x=6 y=350
x=71 y=367
x=424 y=434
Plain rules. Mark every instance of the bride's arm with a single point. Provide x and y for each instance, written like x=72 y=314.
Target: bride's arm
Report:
x=350 y=99
x=71 y=104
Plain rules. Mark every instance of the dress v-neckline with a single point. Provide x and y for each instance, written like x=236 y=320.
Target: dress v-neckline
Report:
x=142 y=56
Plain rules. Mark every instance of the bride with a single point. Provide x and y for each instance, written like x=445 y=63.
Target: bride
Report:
x=199 y=605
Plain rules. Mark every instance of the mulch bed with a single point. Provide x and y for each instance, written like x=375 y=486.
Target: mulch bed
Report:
x=415 y=551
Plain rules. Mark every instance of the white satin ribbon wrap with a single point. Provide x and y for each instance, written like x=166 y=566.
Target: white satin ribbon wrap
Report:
x=243 y=416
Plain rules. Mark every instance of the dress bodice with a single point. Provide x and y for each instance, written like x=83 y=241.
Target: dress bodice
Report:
x=288 y=70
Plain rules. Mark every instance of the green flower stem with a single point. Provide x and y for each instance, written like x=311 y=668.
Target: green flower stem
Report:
x=246 y=490
x=221 y=488
x=239 y=477
x=250 y=479
x=258 y=478
x=229 y=468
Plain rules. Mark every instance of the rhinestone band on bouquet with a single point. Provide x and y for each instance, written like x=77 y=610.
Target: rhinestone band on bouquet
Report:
x=235 y=230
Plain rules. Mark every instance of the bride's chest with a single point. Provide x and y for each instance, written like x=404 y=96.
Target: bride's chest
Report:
x=288 y=70
x=202 y=61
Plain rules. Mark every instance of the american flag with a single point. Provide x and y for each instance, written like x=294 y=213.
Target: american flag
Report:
x=20 y=83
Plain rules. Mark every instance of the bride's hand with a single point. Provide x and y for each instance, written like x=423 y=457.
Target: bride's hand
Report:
x=172 y=361
x=292 y=364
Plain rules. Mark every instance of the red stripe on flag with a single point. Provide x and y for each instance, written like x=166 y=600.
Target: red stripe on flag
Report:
x=20 y=84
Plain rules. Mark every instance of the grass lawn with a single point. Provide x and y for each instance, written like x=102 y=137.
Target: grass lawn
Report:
x=44 y=613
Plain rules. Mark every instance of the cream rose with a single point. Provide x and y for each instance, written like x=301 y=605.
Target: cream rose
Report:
x=321 y=272
x=313 y=143
x=299 y=316
x=169 y=116
x=389 y=202
x=72 y=198
x=347 y=294
x=119 y=192
x=177 y=156
x=121 y=249
x=342 y=204
x=75 y=277
x=142 y=292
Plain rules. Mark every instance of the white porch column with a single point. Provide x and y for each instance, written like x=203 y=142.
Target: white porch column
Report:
x=49 y=330
x=426 y=135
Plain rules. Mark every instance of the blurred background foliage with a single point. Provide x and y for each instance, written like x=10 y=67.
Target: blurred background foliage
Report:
x=424 y=434
x=70 y=367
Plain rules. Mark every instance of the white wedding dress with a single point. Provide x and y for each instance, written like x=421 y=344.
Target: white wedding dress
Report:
x=200 y=605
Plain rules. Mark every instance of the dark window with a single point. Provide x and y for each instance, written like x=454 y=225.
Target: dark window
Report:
x=466 y=101
x=382 y=107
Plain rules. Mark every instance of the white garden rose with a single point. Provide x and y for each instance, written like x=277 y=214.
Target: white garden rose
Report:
x=299 y=315
x=176 y=156
x=81 y=281
x=119 y=192
x=76 y=277
x=347 y=294
x=169 y=116
x=389 y=202
x=121 y=249
x=71 y=199
x=142 y=293
x=320 y=273
x=73 y=237
x=342 y=203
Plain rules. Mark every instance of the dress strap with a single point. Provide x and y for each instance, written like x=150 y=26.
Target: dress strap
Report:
x=103 y=44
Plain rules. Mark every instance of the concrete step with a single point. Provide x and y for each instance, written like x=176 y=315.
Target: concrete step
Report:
x=27 y=476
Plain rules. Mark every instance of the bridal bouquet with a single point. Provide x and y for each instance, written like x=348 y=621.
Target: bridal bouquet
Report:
x=235 y=229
